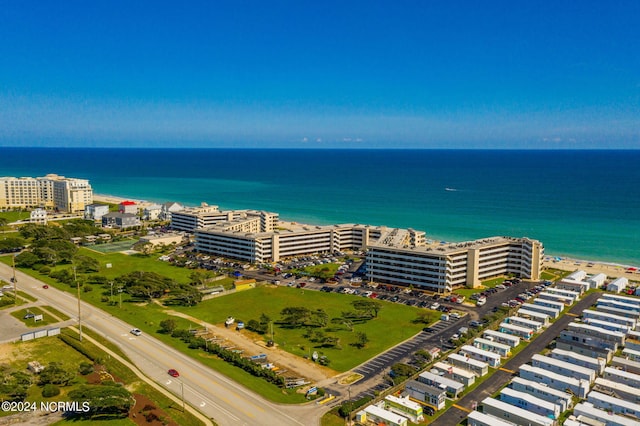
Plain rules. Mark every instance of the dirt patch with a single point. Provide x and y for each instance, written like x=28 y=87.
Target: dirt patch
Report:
x=251 y=345
x=145 y=412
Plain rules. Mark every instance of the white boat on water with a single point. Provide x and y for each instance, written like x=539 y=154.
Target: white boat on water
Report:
x=450 y=189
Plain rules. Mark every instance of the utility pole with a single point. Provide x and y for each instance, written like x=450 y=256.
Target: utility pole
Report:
x=15 y=281
x=75 y=277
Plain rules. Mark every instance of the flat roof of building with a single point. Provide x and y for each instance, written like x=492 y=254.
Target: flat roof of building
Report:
x=492 y=343
x=452 y=248
x=501 y=335
x=442 y=380
x=541 y=386
x=386 y=415
x=617 y=386
x=487 y=419
x=455 y=370
x=550 y=374
x=474 y=350
x=531 y=399
x=470 y=361
x=576 y=356
x=578 y=326
x=520 y=412
x=589 y=410
x=563 y=364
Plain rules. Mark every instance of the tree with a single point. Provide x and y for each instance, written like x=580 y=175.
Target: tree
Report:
x=56 y=375
x=3 y=221
x=26 y=259
x=361 y=340
x=295 y=316
x=168 y=325
x=109 y=399
x=320 y=317
x=370 y=307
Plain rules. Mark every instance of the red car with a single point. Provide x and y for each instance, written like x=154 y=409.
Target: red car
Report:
x=173 y=373
x=45 y=286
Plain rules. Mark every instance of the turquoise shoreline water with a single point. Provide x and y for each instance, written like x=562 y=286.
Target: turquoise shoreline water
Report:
x=580 y=204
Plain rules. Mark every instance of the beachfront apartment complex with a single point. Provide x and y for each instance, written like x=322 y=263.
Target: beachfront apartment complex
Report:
x=394 y=256
x=51 y=191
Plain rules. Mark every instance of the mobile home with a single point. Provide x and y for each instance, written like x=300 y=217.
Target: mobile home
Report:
x=567 y=343
x=633 y=355
x=609 y=387
x=490 y=358
x=604 y=316
x=458 y=374
x=375 y=414
x=562 y=367
x=555 y=298
x=618 y=285
x=596 y=281
x=549 y=303
x=523 y=322
x=635 y=314
x=516 y=330
x=552 y=312
x=405 y=407
x=477 y=418
x=573 y=295
x=504 y=338
x=623 y=299
x=514 y=414
x=607 y=325
x=432 y=396
x=580 y=388
x=530 y=403
x=612 y=303
x=597 y=364
x=626 y=364
x=573 y=285
x=563 y=399
x=491 y=346
x=600 y=333
x=479 y=368
x=452 y=387
x=587 y=410
x=621 y=376
x=613 y=404
x=534 y=316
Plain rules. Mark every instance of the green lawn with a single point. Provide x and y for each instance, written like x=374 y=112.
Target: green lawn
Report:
x=14 y=216
x=30 y=322
x=393 y=325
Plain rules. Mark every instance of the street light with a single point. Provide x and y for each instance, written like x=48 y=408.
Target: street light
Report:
x=75 y=277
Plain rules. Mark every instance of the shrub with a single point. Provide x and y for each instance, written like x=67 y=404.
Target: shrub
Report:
x=50 y=390
x=44 y=270
x=85 y=368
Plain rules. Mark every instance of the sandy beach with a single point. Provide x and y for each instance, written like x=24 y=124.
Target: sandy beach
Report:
x=112 y=199
x=611 y=270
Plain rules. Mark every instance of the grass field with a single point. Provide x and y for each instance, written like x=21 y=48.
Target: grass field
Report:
x=30 y=322
x=14 y=216
x=393 y=324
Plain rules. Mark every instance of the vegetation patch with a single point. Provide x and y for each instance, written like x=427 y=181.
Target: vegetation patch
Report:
x=332 y=325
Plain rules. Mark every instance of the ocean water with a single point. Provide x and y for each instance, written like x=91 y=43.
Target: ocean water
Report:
x=582 y=204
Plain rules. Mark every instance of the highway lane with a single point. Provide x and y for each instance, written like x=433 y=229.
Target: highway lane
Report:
x=213 y=394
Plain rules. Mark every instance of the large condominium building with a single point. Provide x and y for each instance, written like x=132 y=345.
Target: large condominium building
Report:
x=394 y=256
x=443 y=268
x=51 y=191
x=206 y=216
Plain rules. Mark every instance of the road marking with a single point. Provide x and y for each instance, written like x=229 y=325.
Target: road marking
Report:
x=461 y=408
x=572 y=314
x=508 y=371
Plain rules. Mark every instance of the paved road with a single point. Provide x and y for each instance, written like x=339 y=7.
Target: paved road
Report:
x=210 y=392
x=454 y=415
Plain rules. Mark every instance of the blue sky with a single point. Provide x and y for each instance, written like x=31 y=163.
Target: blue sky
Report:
x=405 y=74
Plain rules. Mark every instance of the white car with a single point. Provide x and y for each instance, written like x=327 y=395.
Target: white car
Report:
x=136 y=332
